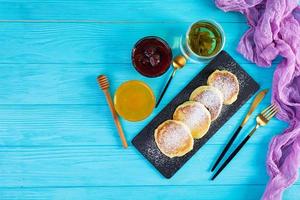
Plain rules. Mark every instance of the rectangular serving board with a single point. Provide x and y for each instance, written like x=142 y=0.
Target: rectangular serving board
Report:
x=144 y=141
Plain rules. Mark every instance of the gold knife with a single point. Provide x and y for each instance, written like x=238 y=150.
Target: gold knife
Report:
x=259 y=97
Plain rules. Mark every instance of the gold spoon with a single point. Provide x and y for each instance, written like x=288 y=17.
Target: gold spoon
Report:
x=178 y=63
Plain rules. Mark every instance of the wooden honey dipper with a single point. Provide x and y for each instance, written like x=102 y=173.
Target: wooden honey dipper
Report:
x=103 y=82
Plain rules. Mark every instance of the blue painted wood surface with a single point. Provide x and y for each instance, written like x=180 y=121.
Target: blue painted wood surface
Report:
x=57 y=138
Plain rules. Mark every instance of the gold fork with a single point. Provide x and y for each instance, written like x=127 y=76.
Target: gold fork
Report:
x=261 y=120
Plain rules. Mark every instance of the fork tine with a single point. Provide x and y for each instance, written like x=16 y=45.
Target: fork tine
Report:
x=272 y=114
x=267 y=109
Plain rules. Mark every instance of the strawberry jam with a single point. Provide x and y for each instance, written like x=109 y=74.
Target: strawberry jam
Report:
x=151 y=56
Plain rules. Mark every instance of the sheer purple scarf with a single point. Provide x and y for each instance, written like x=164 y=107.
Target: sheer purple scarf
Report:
x=275 y=30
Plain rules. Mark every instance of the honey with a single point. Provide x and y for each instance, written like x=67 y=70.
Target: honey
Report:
x=134 y=100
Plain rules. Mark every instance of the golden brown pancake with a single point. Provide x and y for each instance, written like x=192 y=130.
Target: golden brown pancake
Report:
x=173 y=138
x=210 y=97
x=195 y=116
x=227 y=83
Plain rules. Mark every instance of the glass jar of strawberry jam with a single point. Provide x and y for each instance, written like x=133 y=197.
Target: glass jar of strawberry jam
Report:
x=151 y=56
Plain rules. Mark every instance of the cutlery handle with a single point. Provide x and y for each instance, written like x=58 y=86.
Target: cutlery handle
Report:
x=165 y=88
x=226 y=147
x=233 y=154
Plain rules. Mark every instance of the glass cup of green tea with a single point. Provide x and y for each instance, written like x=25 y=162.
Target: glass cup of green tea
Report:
x=204 y=40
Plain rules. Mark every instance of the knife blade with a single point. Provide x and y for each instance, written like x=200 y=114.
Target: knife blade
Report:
x=259 y=97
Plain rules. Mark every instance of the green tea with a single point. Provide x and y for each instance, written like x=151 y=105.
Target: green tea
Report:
x=204 y=39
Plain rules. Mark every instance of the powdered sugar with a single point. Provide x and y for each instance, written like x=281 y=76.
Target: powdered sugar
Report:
x=226 y=83
x=194 y=115
x=172 y=136
x=211 y=100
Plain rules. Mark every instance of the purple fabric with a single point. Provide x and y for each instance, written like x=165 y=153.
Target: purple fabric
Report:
x=275 y=31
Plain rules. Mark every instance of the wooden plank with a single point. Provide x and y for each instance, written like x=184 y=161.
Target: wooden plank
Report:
x=232 y=192
x=76 y=83
x=77 y=166
x=65 y=125
x=92 y=42
x=53 y=146
x=114 y=10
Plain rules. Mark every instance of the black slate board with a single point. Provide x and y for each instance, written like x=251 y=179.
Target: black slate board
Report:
x=144 y=141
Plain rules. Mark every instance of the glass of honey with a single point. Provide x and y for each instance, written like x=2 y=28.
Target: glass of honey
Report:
x=204 y=40
x=134 y=100
x=151 y=56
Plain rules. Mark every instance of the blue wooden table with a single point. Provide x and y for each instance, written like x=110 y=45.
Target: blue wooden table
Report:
x=57 y=138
